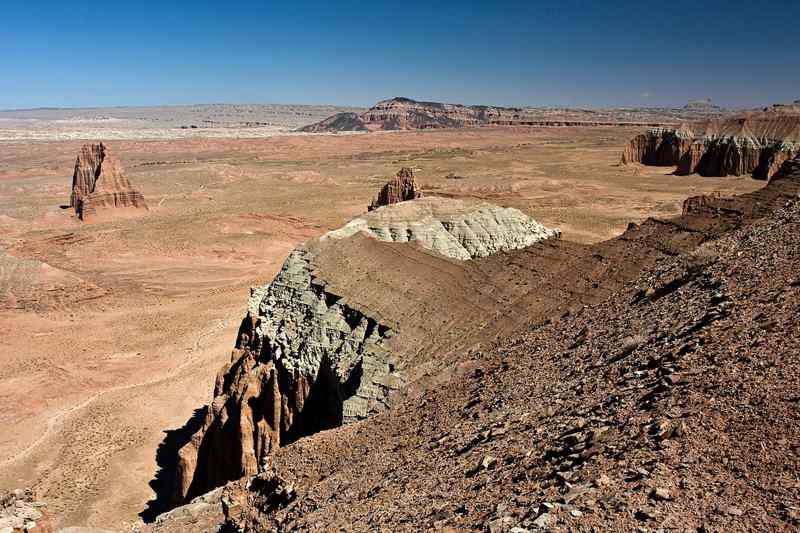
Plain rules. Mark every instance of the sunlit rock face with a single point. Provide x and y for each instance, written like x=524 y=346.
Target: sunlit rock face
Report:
x=754 y=144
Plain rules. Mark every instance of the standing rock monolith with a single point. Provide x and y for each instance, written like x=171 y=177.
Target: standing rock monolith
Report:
x=399 y=189
x=98 y=184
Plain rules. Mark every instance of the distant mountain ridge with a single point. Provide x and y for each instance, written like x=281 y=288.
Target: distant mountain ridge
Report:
x=402 y=113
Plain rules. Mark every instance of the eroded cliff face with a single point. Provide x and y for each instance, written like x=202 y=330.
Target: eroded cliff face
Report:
x=305 y=361
x=753 y=144
x=310 y=357
x=98 y=184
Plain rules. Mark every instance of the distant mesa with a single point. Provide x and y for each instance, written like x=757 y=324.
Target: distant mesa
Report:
x=753 y=143
x=793 y=108
x=399 y=189
x=99 y=186
x=703 y=106
x=402 y=113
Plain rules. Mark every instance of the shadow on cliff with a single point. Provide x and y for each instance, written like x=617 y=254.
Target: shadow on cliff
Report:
x=167 y=461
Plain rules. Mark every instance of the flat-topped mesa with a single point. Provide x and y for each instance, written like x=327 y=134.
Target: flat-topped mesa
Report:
x=749 y=144
x=401 y=113
x=399 y=189
x=316 y=348
x=98 y=184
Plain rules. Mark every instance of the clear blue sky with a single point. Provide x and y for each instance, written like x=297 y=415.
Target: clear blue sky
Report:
x=76 y=53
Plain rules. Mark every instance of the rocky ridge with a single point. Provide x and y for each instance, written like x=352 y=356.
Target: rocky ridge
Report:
x=98 y=184
x=314 y=353
x=399 y=189
x=754 y=144
x=648 y=408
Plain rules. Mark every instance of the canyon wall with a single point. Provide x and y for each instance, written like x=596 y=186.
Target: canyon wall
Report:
x=315 y=348
x=98 y=184
x=754 y=144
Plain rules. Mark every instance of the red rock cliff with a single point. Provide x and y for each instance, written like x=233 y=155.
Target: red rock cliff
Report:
x=752 y=143
x=98 y=183
x=399 y=189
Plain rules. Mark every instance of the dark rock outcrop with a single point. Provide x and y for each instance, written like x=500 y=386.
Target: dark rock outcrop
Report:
x=338 y=122
x=399 y=189
x=754 y=144
x=98 y=184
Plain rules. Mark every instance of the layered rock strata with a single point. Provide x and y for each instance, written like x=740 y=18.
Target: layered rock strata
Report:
x=314 y=351
x=98 y=184
x=754 y=144
x=406 y=114
x=399 y=189
x=453 y=228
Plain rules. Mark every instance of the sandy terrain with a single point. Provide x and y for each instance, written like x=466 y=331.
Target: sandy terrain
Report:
x=160 y=122
x=111 y=333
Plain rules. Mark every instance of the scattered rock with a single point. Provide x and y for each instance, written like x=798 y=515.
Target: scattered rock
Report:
x=20 y=511
x=542 y=521
x=488 y=462
x=661 y=494
x=645 y=514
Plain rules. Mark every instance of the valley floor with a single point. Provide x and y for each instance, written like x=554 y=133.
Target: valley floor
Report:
x=111 y=333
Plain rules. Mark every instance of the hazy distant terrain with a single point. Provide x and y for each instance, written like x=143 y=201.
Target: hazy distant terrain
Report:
x=267 y=120
x=112 y=333
x=161 y=122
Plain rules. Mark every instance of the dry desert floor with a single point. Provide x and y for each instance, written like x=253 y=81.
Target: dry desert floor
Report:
x=111 y=333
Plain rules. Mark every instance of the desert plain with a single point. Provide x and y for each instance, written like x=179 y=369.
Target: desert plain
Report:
x=112 y=332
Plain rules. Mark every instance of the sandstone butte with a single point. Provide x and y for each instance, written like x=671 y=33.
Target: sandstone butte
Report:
x=754 y=144
x=401 y=188
x=99 y=187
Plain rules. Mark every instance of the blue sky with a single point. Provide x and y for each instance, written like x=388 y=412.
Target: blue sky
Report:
x=76 y=53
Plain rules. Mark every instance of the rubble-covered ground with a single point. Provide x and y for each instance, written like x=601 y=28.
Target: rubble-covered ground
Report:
x=673 y=404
